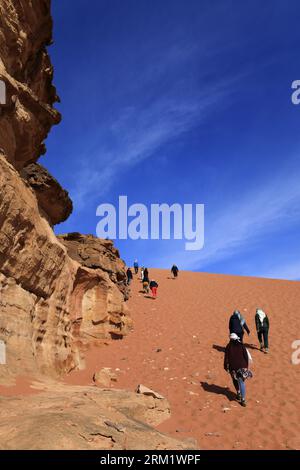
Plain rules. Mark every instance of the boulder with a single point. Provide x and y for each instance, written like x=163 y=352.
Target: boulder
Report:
x=53 y=200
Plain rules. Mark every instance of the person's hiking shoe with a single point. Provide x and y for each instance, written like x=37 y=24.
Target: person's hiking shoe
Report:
x=261 y=347
x=266 y=351
x=238 y=396
x=243 y=403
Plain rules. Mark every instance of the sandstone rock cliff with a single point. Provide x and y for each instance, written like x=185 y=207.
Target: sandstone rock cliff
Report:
x=49 y=303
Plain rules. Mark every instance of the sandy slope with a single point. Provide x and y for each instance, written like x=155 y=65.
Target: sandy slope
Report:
x=189 y=323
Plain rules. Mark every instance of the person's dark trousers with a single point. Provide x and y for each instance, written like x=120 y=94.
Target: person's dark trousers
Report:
x=263 y=334
x=241 y=336
x=136 y=270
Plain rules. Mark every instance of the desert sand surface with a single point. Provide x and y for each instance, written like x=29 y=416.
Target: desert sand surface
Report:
x=176 y=349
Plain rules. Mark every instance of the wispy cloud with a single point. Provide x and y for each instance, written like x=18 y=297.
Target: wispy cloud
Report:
x=289 y=271
x=271 y=207
x=139 y=132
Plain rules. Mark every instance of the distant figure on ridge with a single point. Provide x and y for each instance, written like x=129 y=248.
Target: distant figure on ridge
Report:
x=236 y=362
x=262 y=327
x=153 y=287
x=174 y=271
x=136 y=266
x=129 y=276
x=237 y=325
x=142 y=273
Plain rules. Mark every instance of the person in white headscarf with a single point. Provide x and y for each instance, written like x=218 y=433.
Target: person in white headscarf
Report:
x=262 y=327
x=236 y=362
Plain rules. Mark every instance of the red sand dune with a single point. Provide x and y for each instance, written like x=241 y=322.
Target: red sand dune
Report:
x=189 y=323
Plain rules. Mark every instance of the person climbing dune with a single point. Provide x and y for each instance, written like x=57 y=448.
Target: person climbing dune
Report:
x=153 y=287
x=136 y=266
x=129 y=276
x=262 y=327
x=146 y=283
x=236 y=362
x=237 y=325
x=174 y=271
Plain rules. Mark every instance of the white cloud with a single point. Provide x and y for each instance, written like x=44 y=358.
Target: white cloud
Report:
x=288 y=271
x=271 y=207
x=138 y=133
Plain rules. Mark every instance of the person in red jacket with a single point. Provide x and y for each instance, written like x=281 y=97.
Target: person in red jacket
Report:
x=236 y=362
x=153 y=287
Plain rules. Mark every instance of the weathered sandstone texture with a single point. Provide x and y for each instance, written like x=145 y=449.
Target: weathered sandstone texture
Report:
x=96 y=253
x=49 y=303
x=85 y=418
x=53 y=200
x=25 y=67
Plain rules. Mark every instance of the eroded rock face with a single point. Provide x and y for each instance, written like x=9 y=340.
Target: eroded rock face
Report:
x=96 y=253
x=25 y=67
x=85 y=418
x=53 y=200
x=49 y=303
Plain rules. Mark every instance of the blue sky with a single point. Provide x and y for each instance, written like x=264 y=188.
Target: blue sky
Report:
x=189 y=102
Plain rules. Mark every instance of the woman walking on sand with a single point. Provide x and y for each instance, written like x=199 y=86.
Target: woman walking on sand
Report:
x=236 y=362
x=262 y=327
x=237 y=325
x=153 y=287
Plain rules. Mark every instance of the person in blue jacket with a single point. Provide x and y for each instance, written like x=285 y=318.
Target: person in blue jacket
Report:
x=136 y=266
x=237 y=325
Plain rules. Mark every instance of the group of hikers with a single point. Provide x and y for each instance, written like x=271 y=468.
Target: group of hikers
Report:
x=144 y=277
x=237 y=357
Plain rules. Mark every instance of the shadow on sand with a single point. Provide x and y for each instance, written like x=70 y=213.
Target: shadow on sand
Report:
x=222 y=348
x=212 y=388
x=219 y=348
x=251 y=346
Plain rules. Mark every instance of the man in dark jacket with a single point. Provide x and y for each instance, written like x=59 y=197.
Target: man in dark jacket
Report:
x=236 y=362
x=129 y=276
x=237 y=325
x=174 y=271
